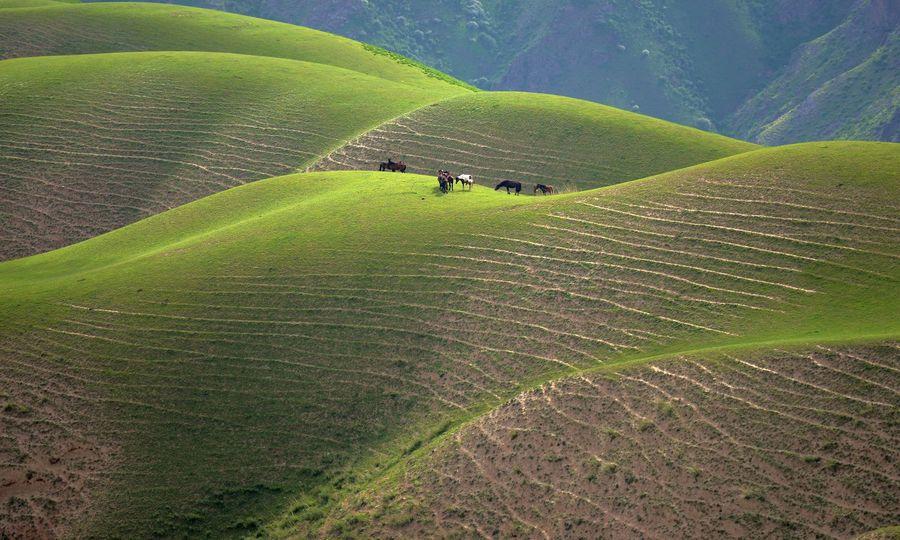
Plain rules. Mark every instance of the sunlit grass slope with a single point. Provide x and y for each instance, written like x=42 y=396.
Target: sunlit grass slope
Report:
x=534 y=138
x=137 y=26
x=267 y=351
x=12 y=4
x=89 y=143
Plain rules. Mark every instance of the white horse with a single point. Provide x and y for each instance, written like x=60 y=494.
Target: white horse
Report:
x=466 y=180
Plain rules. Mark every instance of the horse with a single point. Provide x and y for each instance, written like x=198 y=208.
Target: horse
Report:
x=466 y=180
x=392 y=166
x=442 y=180
x=445 y=180
x=545 y=189
x=509 y=184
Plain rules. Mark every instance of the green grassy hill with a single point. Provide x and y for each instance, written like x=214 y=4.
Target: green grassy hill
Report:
x=704 y=58
x=535 y=138
x=260 y=356
x=788 y=442
x=93 y=142
x=769 y=71
x=757 y=70
x=137 y=26
x=12 y=4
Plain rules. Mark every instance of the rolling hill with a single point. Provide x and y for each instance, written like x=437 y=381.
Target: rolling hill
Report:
x=93 y=142
x=259 y=359
x=535 y=138
x=76 y=28
x=664 y=450
x=758 y=70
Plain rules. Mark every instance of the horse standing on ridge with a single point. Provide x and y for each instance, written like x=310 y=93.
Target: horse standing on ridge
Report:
x=545 y=189
x=509 y=184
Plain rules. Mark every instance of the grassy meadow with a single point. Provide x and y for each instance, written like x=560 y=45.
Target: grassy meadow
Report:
x=307 y=332
x=536 y=138
x=94 y=142
x=216 y=320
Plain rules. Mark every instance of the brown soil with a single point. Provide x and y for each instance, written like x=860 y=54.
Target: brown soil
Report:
x=778 y=444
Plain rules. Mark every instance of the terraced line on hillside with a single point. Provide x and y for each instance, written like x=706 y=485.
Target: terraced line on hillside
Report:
x=535 y=138
x=121 y=137
x=312 y=344
x=68 y=28
x=798 y=442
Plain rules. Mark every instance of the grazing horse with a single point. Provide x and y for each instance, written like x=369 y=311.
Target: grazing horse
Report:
x=392 y=166
x=466 y=180
x=545 y=189
x=509 y=184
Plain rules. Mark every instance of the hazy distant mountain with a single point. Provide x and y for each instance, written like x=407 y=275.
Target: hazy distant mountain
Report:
x=770 y=70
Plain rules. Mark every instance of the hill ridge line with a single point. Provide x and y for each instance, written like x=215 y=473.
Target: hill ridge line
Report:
x=398 y=60
x=315 y=161
x=637 y=119
x=199 y=52
x=440 y=433
x=311 y=162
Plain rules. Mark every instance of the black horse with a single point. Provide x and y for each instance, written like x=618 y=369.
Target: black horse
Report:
x=509 y=184
x=392 y=166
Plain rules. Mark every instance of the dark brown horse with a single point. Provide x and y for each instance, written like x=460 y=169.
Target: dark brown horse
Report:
x=392 y=166
x=545 y=189
x=444 y=180
x=509 y=184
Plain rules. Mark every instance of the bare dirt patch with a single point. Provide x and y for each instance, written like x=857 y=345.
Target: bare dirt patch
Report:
x=51 y=457
x=781 y=443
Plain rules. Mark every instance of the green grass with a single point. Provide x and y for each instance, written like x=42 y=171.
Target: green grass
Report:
x=568 y=143
x=492 y=474
x=12 y=4
x=292 y=339
x=104 y=140
x=704 y=57
x=118 y=27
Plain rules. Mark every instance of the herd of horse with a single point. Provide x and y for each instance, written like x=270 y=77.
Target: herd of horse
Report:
x=446 y=181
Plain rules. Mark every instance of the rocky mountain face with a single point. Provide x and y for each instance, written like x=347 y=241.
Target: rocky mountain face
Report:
x=773 y=71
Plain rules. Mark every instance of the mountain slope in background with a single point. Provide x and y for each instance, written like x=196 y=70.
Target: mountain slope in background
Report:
x=843 y=85
x=749 y=69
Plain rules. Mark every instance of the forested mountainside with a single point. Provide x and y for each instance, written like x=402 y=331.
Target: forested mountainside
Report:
x=755 y=69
